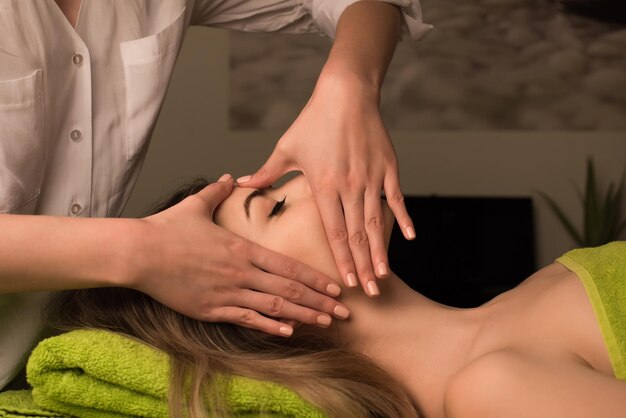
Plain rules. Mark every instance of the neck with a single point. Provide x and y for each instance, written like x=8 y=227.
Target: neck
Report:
x=420 y=343
x=70 y=9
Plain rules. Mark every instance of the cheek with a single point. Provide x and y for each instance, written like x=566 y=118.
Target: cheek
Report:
x=302 y=237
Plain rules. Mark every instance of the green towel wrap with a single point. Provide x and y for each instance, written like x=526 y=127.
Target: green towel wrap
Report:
x=93 y=373
x=602 y=271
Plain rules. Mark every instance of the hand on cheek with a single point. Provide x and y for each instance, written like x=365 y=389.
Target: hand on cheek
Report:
x=340 y=144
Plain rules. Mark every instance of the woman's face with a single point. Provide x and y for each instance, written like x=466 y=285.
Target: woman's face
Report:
x=286 y=220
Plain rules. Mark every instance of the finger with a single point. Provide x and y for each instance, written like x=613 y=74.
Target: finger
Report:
x=287 y=267
x=395 y=199
x=359 y=243
x=290 y=322
x=273 y=169
x=299 y=294
x=334 y=222
x=279 y=307
x=215 y=193
x=249 y=318
x=375 y=227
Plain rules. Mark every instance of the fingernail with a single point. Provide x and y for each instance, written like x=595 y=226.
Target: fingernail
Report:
x=351 y=279
x=286 y=330
x=243 y=179
x=410 y=232
x=341 y=312
x=324 y=320
x=225 y=177
x=333 y=289
x=382 y=270
x=372 y=288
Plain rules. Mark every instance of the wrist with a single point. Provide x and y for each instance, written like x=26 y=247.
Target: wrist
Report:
x=346 y=83
x=130 y=257
x=367 y=34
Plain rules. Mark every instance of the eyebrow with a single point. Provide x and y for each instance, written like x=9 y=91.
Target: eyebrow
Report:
x=246 y=203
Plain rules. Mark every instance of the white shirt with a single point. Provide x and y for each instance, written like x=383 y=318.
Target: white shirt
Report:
x=78 y=105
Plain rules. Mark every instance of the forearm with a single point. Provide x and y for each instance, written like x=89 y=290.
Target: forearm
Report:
x=367 y=34
x=56 y=253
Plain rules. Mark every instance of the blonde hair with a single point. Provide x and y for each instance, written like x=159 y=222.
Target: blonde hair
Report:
x=314 y=364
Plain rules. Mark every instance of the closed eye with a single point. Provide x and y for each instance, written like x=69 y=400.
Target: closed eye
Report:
x=278 y=207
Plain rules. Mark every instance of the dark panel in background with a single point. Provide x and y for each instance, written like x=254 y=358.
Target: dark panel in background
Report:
x=467 y=250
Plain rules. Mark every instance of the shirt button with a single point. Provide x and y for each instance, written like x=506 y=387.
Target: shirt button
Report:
x=77 y=59
x=76 y=209
x=76 y=135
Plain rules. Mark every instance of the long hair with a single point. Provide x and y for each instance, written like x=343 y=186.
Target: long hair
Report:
x=314 y=364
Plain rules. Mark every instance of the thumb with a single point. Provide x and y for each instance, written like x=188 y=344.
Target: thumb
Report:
x=273 y=169
x=215 y=193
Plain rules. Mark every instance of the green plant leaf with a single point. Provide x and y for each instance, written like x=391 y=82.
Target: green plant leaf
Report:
x=602 y=213
x=563 y=218
x=609 y=209
x=593 y=219
x=579 y=192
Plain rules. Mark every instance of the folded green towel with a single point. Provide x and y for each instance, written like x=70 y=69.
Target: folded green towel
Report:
x=602 y=271
x=91 y=373
x=19 y=403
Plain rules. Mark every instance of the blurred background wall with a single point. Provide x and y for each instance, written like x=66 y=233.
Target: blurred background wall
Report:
x=193 y=138
x=489 y=65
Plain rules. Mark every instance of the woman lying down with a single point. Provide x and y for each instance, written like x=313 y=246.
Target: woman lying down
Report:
x=538 y=350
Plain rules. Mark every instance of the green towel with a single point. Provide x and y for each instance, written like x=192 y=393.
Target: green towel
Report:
x=602 y=271
x=19 y=403
x=91 y=373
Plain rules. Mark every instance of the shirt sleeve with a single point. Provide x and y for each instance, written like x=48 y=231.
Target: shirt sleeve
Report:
x=294 y=16
x=327 y=12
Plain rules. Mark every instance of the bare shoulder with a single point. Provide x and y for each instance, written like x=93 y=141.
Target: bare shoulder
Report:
x=512 y=384
x=552 y=309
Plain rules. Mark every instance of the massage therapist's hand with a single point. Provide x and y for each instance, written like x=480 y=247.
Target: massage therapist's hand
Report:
x=340 y=144
x=208 y=273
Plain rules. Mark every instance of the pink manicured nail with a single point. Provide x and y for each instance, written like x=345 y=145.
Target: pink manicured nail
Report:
x=351 y=279
x=225 y=177
x=410 y=232
x=286 y=330
x=333 y=289
x=382 y=270
x=243 y=179
x=324 y=320
x=372 y=288
x=341 y=312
